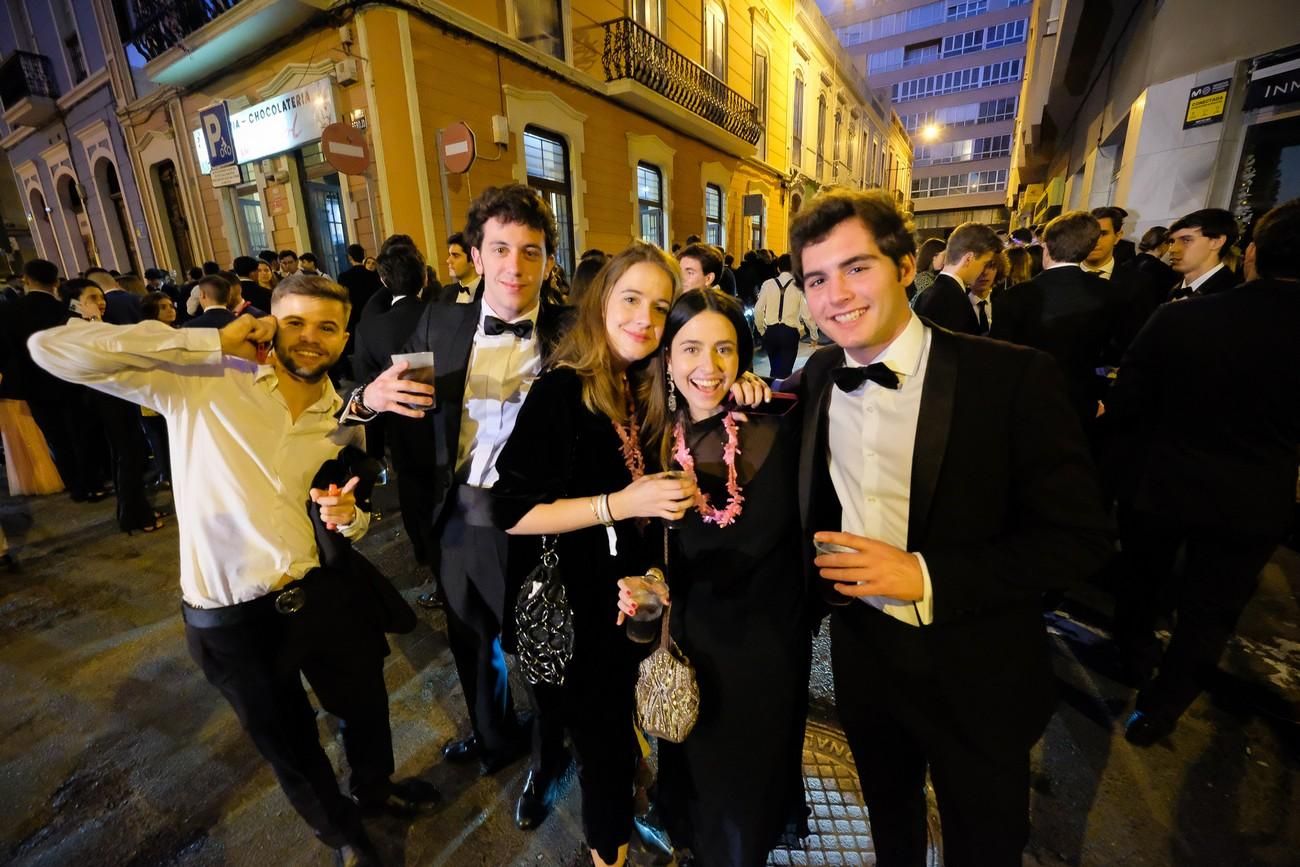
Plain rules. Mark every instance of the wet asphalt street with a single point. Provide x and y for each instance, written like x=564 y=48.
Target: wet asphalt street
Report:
x=115 y=751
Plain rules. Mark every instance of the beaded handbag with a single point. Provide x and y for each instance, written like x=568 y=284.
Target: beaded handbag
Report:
x=667 y=693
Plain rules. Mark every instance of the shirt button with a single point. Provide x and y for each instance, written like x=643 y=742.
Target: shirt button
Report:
x=871 y=409
x=871 y=499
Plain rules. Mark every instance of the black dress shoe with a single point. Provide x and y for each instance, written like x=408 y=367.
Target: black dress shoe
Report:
x=406 y=798
x=360 y=853
x=1143 y=729
x=653 y=837
x=429 y=601
x=535 y=801
x=465 y=750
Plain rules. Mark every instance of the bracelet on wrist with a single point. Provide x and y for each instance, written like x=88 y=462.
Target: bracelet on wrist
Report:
x=654 y=575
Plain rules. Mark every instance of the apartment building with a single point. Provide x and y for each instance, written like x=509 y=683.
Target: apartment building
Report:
x=651 y=119
x=952 y=69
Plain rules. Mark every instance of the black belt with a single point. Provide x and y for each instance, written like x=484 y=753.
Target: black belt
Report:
x=475 y=505
x=286 y=601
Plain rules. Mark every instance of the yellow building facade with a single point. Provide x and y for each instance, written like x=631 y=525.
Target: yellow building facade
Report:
x=653 y=120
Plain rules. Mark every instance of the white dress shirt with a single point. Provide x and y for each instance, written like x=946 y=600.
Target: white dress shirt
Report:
x=872 y=437
x=1105 y=271
x=988 y=306
x=241 y=466
x=465 y=294
x=769 y=310
x=1195 y=285
x=502 y=368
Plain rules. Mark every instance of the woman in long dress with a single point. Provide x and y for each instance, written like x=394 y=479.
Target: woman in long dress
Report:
x=28 y=466
x=733 y=790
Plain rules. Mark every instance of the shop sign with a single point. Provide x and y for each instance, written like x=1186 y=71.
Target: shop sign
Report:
x=215 y=123
x=1206 y=104
x=277 y=199
x=284 y=122
x=1274 y=79
x=201 y=152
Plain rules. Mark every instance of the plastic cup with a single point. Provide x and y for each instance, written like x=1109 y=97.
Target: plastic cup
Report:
x=829 y=594
x=421 y=370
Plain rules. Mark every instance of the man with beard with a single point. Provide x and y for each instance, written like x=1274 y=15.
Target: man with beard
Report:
x=260 y=611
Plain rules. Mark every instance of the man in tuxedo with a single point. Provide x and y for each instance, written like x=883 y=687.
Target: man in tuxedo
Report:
x=214 y=300
x=955 y=470
x=970 y=247
x=1066 y=312
x=1197 y=243
x=55 y=404
x=250 y=290
x=381 y=334
x=1211 y=387
x=488 y=353
x=466 y=286
x=1102 y=260
x=701 y=266
x=122 y=307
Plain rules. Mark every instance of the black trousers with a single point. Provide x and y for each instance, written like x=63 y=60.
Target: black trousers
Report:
x=781 y=343
x=898 y=720
x=66 y=428
x=1220 y=574
x=258 y=666
x=472 y=572
x=128 y=446
x=597 y=707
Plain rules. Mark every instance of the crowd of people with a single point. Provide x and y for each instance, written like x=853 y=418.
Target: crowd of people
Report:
x=989 y=408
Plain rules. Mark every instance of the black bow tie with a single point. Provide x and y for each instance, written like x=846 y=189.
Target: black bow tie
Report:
x=850 y=379
x=492 y=326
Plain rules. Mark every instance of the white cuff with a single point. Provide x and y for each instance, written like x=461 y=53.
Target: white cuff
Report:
x=925 y=605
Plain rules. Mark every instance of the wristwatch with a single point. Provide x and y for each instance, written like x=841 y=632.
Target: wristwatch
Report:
x=357 y=405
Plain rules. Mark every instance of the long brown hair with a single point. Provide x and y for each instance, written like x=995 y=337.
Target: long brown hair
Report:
x=585 y=347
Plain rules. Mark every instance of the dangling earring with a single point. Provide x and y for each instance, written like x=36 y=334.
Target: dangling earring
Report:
x=672 y=395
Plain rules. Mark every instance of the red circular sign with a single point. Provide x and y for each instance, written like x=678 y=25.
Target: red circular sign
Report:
x=457 y=148
x=345 y=148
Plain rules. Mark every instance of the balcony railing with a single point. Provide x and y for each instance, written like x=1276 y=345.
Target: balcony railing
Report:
x=25 y=75
x=632 y=52
x=159 y=25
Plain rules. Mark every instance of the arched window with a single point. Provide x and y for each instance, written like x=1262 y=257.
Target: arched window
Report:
x=821 y=135
x=546 y=155
x=715 y=39
x=796 y=123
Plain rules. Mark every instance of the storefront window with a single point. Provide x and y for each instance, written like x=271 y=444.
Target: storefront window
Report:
x=1269 y=171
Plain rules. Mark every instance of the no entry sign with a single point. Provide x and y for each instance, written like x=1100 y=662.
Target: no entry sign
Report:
x=345 y=148
x=457 y=148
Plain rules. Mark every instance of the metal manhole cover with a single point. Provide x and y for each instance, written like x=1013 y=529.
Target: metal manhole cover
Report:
x=840 y=834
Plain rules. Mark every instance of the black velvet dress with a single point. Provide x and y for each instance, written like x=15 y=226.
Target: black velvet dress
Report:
x=560 y=449
x=734 y=788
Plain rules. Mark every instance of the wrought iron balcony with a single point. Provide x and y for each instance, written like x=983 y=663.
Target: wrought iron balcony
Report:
x=27 y=89
x=159 y=25
x=632 y=52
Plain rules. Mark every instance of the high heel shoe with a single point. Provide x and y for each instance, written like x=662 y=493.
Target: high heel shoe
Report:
x=157 y=525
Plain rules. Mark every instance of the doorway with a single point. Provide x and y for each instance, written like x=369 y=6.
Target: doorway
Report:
x=169 y=191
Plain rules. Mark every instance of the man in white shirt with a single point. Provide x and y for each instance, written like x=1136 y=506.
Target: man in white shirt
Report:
x=260 y=610
x=939 y=652
x=780 y=315
x=1197 y=243
x=487 y=355
x=1101 y=261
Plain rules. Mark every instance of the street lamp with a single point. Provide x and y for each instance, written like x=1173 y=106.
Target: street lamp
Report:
x=930 y=131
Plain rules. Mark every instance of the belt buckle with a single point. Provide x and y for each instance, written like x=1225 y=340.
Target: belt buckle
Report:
x=290 y=601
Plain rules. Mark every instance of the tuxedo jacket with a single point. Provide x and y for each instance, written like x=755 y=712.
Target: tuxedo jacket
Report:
x=254 y=293
x=447 y=330
x=1003 y=505
x=383 y=332
x=1143 y=284
x=1071 y=315
x=946 y=304
x=213 y=317
x=1210 y=392
x=1224 y=279
x=24 y=379
x=447 y=294
x=122 y=307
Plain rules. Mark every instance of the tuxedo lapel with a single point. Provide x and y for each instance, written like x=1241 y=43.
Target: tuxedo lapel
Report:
x=814 y=472
x=932 y=429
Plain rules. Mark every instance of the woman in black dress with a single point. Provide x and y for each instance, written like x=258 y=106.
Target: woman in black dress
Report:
x=120 y=420
x=574 y=467
x=733 y=790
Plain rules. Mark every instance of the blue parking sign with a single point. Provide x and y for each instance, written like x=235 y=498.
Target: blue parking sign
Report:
x=215 y=123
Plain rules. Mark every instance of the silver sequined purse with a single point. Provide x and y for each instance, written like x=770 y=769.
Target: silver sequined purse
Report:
x=667 y=694
x=544 y=621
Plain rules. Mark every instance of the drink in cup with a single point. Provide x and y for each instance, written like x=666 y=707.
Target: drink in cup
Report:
x=421 y=370
x=643 y=627
x=829 y=594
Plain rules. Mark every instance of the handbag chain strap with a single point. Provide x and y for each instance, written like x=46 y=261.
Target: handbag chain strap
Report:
x=668 y=608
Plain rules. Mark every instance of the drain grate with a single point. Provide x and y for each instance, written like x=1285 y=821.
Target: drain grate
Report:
x=840 y=834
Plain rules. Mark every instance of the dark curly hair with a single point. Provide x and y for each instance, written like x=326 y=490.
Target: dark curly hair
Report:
x=513 y=203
